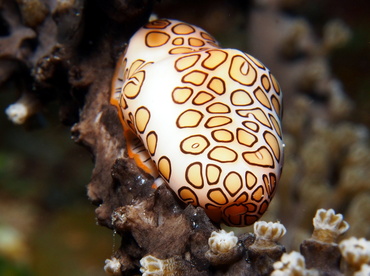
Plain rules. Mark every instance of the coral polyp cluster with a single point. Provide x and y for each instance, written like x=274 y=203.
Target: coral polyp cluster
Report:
x=322 y=255
x=259 y=253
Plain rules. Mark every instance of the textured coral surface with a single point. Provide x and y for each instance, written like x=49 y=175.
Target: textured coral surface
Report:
x=58 y=58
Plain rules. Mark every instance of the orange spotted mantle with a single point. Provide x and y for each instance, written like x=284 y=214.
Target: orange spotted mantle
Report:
x=209 y=119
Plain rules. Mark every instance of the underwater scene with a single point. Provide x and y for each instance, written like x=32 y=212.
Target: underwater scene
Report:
x=184 y=137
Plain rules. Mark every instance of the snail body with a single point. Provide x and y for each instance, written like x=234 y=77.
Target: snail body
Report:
x=209 y=119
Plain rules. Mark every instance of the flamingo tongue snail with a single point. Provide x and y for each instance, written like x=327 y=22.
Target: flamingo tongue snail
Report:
x=209 y=119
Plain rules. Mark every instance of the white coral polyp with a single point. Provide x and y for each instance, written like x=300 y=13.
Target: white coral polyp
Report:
x=272 y=231
x=222 y=241
x=289 y=264
x=292 y=264
x=328 y=225
x=17 y=113
x=355 y=251
x=328 y=220
x=151 y=266
x=112 y=266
